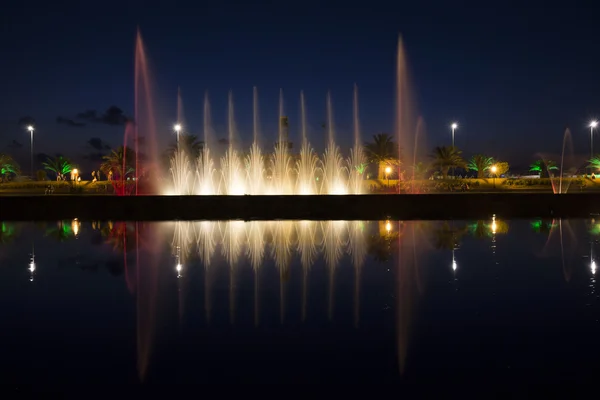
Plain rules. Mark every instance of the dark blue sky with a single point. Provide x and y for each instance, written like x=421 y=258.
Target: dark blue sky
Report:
x=514 y=75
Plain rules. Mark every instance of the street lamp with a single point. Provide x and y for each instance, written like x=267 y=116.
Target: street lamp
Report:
x=388 y=170
x=30 y=128
x=593 y=125
x=454 y=127
x=75 y=174
x=494 y=169
x=177 y=128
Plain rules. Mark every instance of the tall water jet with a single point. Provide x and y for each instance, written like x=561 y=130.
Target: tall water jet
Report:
x=231 y=167
x=569 y=168
x=333 y=163
x=145 y=125
x=205 y=170
x=254 y=160
x=404 y=131
x=180 y=117
x=308 y=163
x=280 y=162
x=417 y=169
x=181 y=172
x=357 y=161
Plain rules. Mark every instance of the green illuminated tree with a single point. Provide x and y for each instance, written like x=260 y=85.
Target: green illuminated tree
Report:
x=480 y=164
x=594 y=163
x=59 y=165
x=383 y=152
x=446 y=157
x=543 y=167
x=8 y=166
x=7 y=232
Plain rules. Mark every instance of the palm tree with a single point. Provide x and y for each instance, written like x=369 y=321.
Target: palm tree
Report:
x=59 y=165
x=543 y=167
x=114 y=163
x=8 y=166
x=447 y=157
x=383 y=152
x=480 y=163
x=190 y=144
x=594 y=163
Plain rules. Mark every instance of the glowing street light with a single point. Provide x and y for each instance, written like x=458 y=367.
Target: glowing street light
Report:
x=31 y=267
x=494 y=169
x=593 y=267
x=388 y=170
x=454 y=127
x=177 y=129
x=30 y=128
x=593 y=126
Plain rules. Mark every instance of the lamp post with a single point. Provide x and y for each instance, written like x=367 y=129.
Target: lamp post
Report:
x=494 y=169
x=593 y=126
x=177 y=129
x=75 y=175
x=30 y=128
x=388 y=170
x=454 y=127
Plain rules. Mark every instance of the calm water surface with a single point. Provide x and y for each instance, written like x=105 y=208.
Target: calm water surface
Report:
x=305 y=301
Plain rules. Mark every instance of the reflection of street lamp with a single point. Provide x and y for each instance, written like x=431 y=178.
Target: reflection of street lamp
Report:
x=177 y=128
x=388 y=226
x=494 y=169
x=388 y=170
x=30 y=128
x=31 y=267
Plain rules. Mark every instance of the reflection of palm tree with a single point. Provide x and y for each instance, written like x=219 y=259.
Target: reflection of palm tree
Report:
x=61 y=232
x=7 y=232
x=480 y=230
x=381 y=247
x=118 y=235
x=447 y=237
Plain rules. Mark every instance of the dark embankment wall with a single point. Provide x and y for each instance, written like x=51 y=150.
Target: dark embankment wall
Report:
x=363 y=207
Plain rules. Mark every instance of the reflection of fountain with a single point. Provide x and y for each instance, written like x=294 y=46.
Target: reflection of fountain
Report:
x=256 y=254
x=357 y=248
x=307 y=248
x=232 y=234
x=333 y=244
x=282 y=254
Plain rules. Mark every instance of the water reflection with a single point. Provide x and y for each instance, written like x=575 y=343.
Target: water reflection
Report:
x=298 y=266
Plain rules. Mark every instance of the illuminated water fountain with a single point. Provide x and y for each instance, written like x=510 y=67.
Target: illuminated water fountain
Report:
x=280 y=171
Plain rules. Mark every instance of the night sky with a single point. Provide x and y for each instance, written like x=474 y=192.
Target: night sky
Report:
x=513 y=75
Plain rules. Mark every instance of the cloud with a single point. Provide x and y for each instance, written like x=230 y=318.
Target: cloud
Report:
x=14 y=145
x=98 y=144
x=95 y=157
x=112 y=116
x=69 y=122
